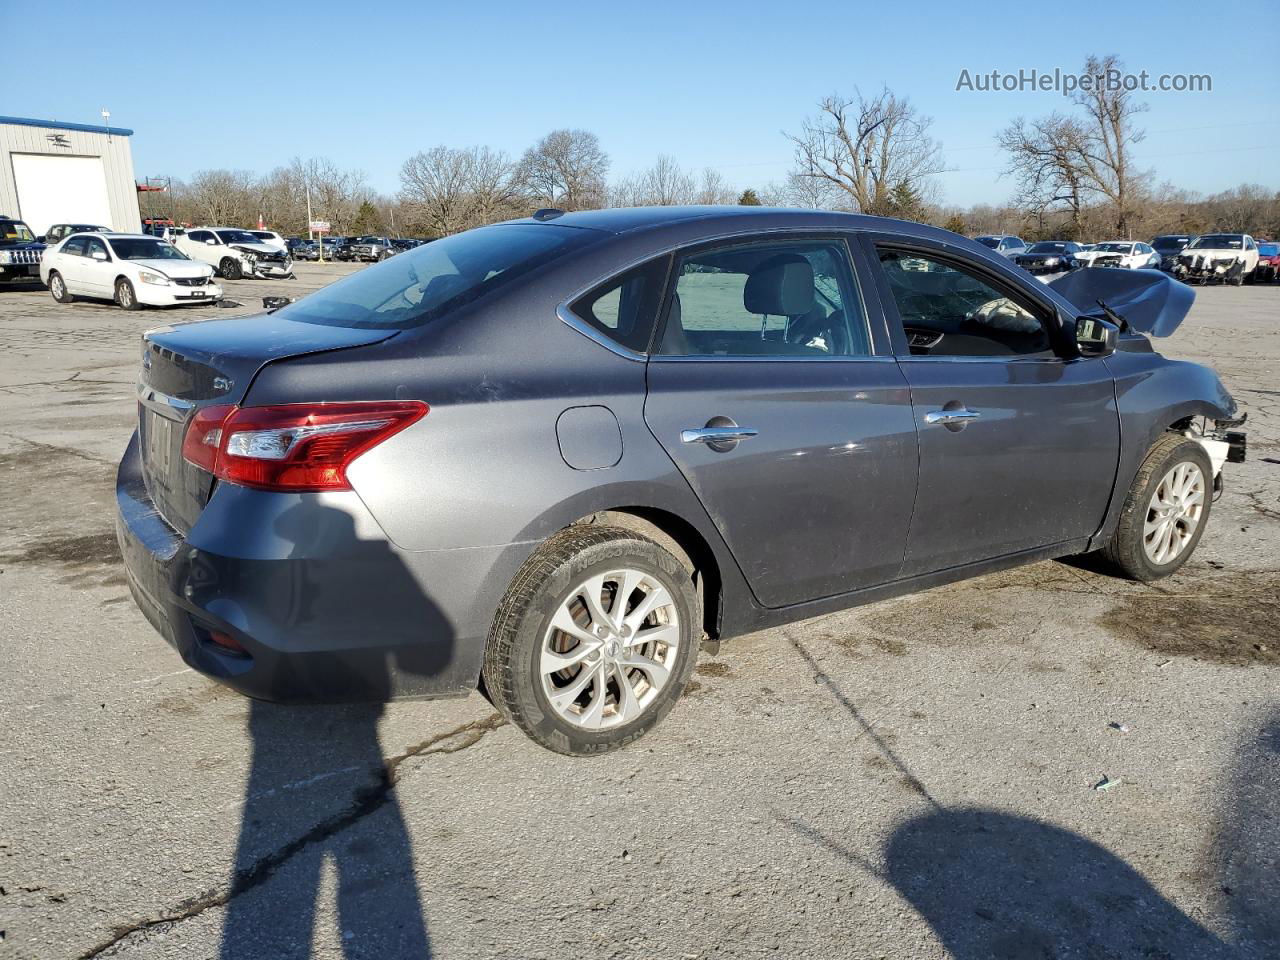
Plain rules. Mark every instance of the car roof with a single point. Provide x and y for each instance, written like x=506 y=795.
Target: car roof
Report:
x=713 y=221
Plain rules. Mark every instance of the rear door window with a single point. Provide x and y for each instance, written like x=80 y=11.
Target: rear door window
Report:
x=783 y=299
x=74 y=246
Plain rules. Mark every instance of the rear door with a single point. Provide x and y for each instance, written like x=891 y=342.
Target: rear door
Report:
x=780 y=404
x=72 y=265
x=1018 y=447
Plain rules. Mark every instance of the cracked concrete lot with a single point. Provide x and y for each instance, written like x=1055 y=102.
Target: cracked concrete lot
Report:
x=911 y=779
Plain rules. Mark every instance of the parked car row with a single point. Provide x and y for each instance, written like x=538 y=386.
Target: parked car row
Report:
x=1210 y=258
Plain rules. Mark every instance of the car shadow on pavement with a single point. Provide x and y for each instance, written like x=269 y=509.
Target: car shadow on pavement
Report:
x=997 y=886
x=320 y=789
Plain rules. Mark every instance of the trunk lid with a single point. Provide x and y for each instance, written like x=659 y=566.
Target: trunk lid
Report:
x=190 y=366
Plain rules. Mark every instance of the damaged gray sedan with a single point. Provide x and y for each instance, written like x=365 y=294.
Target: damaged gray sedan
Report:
x=555 y=457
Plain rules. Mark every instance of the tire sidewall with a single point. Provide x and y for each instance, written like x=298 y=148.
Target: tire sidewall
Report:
x=1189 y=451
x=230 y=269
x=56 y=281
x=547 y=726
x=131 y=301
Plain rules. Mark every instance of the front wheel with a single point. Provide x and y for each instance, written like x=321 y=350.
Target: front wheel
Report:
x=230 y=269
x=126 y=296
x=1165 y=512
x=58 y=288
x=594 y=641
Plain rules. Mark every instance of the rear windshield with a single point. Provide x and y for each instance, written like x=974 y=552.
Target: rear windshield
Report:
x=991 y=242
x=1048 y=246
x=1169 y=243
x=1114 y=247
x=417 y=286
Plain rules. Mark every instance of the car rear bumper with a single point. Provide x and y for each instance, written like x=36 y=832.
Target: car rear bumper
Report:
x=323 y=606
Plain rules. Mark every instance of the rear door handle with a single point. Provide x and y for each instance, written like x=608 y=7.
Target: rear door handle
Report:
x=717 y=434
x=951 y=416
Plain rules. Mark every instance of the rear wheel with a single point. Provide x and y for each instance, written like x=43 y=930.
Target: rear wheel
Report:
x=594 y=641
x=125 y=295
x=1165 y=512
x=230 y=269
x=58 y=288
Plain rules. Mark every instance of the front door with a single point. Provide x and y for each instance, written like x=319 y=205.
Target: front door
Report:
x=792 y=426
x=1018 y=446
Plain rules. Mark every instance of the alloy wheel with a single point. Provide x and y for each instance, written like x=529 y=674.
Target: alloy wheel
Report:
x=1174 y=513
x=609 y=649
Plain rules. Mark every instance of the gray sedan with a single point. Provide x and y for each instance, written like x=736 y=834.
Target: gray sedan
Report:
x=553 y=457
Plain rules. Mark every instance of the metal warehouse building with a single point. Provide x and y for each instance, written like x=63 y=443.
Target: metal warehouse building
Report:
x=67 y=173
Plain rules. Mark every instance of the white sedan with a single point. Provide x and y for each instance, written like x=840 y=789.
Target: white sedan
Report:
x=1126 y=254
x=134 y=270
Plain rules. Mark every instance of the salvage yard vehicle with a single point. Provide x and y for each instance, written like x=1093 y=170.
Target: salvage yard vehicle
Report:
x=370 y=249
x=1217 y=258
x=1048 y=256
x=271 y=238
x=134 y=270
x=60 y=231
x=1169 y=246
x=235 y=253
x=1005 y=245
x=20 y=252
x=562 y=453
x=1268 y=267
x=1124 y=254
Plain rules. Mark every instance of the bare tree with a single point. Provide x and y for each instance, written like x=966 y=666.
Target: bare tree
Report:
x=713 y=190
x=1106 y=158
x=221 y=196
x=1046 y=158
x=448 y=190
x=867 y=146
x=566 y=169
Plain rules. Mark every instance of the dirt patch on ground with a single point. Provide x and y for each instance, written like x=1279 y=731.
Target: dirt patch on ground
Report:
x=714 y=669
x=1233 y=620
x=76 y=553
x=854 y=645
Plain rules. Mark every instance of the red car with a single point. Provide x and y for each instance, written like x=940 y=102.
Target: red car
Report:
x=1268 y=268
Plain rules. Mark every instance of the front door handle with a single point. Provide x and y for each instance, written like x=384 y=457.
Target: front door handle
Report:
x=717 y=434
x=959 y=416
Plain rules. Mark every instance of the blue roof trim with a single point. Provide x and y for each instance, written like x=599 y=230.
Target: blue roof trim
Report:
x=54 y=125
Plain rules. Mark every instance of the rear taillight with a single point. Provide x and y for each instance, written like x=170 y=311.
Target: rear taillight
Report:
x=296 y=447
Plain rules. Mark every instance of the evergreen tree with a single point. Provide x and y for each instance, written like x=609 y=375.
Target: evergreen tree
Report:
x=367 y=220
x=955 y=223
x=748 y=198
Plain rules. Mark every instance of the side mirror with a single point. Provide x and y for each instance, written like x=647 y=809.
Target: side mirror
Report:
x=100 y=256
x=1096 y=337
x=40 y=239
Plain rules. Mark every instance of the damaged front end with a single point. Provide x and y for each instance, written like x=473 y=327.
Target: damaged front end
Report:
x=1223 y=442
x=265 y=265
x=1209 y=267
x=1143 y=300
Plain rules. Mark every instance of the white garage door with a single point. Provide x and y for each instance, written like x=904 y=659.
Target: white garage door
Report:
x=60 y=190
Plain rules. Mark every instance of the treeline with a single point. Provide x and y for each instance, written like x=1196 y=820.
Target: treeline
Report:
x=1074 y=174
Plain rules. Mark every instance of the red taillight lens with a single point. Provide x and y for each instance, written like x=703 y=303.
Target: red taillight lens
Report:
x=297 y=447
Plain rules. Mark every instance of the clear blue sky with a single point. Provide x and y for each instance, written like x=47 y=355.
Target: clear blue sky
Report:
x=369 y=82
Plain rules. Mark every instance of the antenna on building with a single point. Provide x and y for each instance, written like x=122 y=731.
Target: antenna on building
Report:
x=106 y=120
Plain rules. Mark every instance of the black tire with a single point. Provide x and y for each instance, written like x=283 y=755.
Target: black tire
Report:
x=230 y=269
x=126 y=296
x=511 y=673
x=1125 y=550
x=58 y=288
